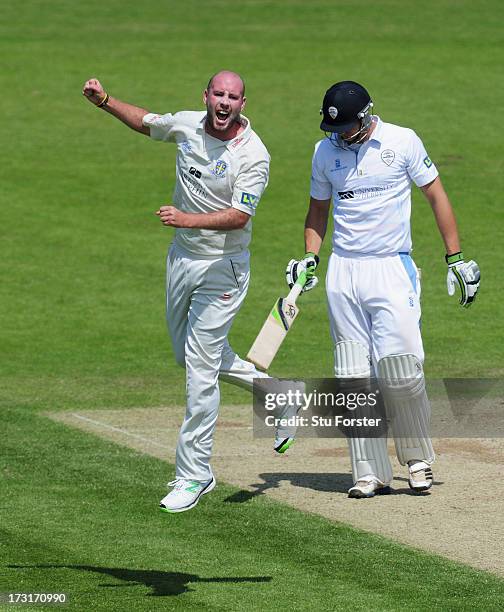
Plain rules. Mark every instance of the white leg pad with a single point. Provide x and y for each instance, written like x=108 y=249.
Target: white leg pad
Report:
x=368 y=456
x=351 y=360
x=402 y=383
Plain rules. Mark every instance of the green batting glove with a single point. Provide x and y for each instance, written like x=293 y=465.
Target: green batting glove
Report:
x=295 y=267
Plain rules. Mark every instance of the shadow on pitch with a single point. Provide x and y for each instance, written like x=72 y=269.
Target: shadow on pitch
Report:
x=327 y=483
x=162 y=583
x=407 y=491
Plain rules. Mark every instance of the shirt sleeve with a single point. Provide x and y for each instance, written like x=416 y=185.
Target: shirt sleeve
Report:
x=320 y=187
x=250 y=185
x=161 y=126
x=420 y=168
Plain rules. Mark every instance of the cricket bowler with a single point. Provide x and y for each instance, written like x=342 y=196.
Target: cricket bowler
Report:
x=222 y=170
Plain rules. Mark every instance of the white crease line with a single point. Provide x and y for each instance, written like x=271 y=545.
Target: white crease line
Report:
x=121 y=431
x=151 y=442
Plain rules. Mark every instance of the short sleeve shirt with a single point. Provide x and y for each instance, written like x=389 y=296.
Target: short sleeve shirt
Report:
x=371 y=188
x=212 y=175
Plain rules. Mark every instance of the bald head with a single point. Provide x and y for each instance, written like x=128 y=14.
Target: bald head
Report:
x=224 y=99
x=225 y=79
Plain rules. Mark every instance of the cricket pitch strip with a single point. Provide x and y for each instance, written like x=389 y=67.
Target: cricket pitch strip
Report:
x=462 y=519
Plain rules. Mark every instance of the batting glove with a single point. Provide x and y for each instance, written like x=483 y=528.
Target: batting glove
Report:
x=308 y=264
x=465 y=275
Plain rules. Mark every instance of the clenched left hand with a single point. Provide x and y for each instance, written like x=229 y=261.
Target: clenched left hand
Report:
x=171 y=216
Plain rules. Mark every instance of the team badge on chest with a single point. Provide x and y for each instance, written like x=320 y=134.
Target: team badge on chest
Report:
x=388 y=156
x=220 y=168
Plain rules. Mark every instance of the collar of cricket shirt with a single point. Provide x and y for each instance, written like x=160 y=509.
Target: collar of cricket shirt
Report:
x=378 y=131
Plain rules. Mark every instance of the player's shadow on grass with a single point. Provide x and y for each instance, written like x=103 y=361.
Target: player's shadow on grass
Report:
x=327 y=483
x=162 y=583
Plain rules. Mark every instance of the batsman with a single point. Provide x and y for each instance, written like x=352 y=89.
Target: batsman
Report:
x=365 y=167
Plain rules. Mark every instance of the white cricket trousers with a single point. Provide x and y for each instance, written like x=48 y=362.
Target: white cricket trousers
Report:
x=202 y=298
x=375 y=301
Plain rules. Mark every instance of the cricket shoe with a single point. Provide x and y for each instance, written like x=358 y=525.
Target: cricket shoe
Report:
x=284 y=434
x=420 y=475
x=282 y=444
x=368 y=486
x=185 y=494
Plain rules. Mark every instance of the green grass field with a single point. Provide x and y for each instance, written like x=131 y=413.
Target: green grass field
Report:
x=82 y=291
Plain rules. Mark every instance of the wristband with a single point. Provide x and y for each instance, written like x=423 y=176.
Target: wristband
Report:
x=104 y=102
x=310 y=254
x=455 y=258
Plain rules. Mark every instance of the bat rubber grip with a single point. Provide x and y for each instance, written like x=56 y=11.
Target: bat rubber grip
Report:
x=297 y=288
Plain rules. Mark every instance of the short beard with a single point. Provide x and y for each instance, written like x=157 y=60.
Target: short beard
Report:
x=211 y=116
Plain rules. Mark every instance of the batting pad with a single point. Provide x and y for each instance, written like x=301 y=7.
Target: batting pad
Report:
x=351 y=360
x=368 y=456
x=402 y=383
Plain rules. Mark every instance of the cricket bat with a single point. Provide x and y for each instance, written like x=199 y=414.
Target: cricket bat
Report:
x=276 y=327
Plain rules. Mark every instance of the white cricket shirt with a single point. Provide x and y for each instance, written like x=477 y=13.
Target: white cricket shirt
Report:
x=213 y=175
x=371 y=188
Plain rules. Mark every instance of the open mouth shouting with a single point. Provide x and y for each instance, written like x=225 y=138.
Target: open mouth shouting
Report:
x=224 y=101
x=222 y=117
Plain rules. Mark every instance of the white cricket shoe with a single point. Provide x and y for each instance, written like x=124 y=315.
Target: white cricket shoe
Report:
x=368 y=486
x=420 y=475
x=185 y=494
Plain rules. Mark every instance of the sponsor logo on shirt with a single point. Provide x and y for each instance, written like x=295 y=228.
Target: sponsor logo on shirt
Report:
x=338 y=166
x=388 y=156
x=364 y=193
x=346 y=195
x=186 y=146
x=427 y=161
x=236 y=142
x=220 y=168
x=249 y=200
x=192 y=184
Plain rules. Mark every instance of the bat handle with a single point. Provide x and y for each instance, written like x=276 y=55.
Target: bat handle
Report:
x=297 y=288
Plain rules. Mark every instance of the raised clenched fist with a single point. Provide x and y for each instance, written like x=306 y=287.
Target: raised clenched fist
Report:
x=93 y=91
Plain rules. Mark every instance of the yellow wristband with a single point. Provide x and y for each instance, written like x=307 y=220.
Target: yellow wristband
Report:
x=104 y=101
